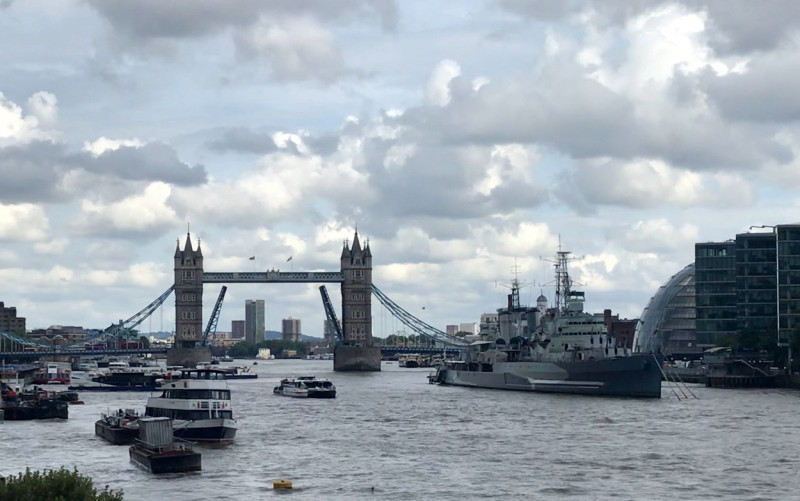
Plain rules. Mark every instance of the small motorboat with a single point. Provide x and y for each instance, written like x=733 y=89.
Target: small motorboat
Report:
x=305 y=387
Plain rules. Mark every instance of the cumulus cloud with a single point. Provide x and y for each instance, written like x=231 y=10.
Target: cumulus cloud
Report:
x=17 y=128
x=146 y=213
x=438 y=88
x=23 y=222
x=297 y=49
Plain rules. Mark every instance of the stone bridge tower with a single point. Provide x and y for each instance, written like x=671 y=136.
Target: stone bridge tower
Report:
x=357 y=353
x=356 y=294
x=188 y=290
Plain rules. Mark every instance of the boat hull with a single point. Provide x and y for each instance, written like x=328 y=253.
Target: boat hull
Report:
x=217 y=430
x=638 y=375
x=116 y=435
x=173 y=461
x=49 y=409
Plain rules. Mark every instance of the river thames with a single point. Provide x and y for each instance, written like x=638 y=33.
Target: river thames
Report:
x=392 y=436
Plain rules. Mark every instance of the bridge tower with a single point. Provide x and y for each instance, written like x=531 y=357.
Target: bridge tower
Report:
x=188 y=307
x=357 y=353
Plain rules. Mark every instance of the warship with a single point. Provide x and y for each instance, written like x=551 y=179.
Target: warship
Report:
x=562 y=349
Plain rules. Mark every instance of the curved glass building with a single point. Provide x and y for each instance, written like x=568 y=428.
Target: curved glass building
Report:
x=667 y=324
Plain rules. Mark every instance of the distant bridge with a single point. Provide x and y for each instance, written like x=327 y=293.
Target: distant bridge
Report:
x=50 y=352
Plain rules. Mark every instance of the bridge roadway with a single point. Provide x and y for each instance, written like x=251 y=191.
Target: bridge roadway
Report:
x=272 y=276
x=385 y=351
x=70 y=353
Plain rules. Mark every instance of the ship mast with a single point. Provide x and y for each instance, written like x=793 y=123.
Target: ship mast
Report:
x=514 y=304
x=563 y=280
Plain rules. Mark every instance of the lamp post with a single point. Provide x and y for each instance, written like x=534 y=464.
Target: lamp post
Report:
x=781 y=341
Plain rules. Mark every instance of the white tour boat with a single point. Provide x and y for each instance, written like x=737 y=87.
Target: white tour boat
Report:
x=199 y=404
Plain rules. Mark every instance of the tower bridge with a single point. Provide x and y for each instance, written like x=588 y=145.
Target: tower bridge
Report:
x=354 y=350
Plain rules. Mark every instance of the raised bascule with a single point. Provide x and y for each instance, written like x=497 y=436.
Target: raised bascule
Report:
x=354 y=349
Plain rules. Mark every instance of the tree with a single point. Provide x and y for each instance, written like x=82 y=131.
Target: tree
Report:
x=243 y=350
x=54 y=485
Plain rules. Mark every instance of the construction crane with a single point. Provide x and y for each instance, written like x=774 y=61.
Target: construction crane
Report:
x=211 y=328
x=330 y=314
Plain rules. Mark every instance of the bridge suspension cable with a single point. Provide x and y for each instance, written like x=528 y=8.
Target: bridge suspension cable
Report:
x=415 y=324
x=124 y=328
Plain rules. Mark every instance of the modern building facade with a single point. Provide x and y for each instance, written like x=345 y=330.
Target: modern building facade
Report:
x=9 y=321
x=254 y=325
x=667 y=324
x=290 y=329
x=237 y=329
x=749 y=285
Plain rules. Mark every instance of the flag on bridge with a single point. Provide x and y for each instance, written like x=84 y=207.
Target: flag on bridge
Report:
x=252 y=258
x=290 y=258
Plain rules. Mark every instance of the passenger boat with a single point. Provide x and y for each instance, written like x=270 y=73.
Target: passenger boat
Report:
x=120 y=427
x=157 y=450
x=199 y=403
x=52 y=374
x=560 y=350
x=305 y=387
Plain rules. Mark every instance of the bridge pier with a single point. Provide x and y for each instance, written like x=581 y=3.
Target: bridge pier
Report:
x=356 y=358
x=188 y=357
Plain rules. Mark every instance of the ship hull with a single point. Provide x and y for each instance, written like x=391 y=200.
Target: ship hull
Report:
x=638 y=376
x=217 y=430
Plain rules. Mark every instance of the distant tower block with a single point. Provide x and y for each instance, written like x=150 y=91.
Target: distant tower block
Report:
x=357 y=353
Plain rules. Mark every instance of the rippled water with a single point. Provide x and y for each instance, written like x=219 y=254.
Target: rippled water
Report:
x=392 y=436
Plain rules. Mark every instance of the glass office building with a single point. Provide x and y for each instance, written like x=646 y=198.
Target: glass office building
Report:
x=667 y=324
x=747 y=285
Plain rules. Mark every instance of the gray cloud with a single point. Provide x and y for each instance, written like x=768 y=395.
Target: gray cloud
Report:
x=32 y=172
x=151 y=162
x=149 y=19
x=243 y=140
x=734 y=26
x=767 y=92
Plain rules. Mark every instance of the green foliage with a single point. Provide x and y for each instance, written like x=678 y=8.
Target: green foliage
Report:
x=243 y=349
x=277 y=346
x=145 y=342
x=54 y=485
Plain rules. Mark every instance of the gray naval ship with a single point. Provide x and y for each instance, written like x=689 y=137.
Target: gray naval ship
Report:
x=559 y=350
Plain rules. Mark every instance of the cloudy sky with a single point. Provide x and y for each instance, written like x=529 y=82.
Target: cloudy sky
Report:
x=464 y=139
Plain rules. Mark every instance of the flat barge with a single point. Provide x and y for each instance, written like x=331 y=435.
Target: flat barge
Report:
x=158 y=452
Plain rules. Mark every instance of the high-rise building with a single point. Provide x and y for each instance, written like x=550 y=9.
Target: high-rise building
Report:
x=468 y=327
x=254 y=327
x=328 y=331
x=290 y=329
x=451 y=330
x=237 y=329
x=9 y=321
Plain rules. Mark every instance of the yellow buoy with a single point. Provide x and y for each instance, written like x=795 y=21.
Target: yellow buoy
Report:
x=282 y=484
